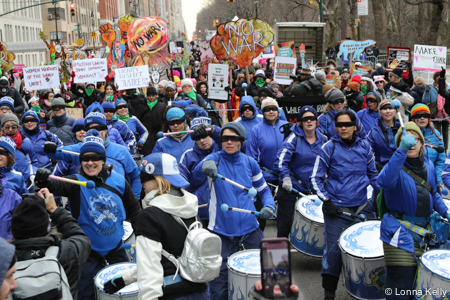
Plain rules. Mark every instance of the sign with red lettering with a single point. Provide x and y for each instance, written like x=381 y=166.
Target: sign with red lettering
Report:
x=86 y=70
x=133 y=77
x=284 y=67
x=38 y=78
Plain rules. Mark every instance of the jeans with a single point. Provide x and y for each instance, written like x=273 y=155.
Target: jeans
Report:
x=443 y=129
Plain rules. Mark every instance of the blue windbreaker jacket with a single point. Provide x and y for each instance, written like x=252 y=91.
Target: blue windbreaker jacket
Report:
x=369 y=119
x=38 y=141
x=9 y=199
x=251 y=122
x=383 y=149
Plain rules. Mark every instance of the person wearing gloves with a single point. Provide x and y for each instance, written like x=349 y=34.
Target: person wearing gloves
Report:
x=30 y=228
x=294 y=165
x=6 y=106
x=249 y=116
x=100 y=211
x=369 y=116
x=38 y=137
x=407 y=200
x=7 y=269
x=398 y=91
x=89 y=93
x=157 y=230
x=15 y=180
x=60 y=124
x=25 y=156
x=7 y=90
x=171 y=93
x=348 y=162
x=236 y=230
x=116 y=155
x=9 y=199
x=113 y=122
x=189 y=96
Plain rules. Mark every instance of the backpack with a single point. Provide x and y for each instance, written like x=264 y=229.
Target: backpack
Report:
x=42 y=278
x=201 y=258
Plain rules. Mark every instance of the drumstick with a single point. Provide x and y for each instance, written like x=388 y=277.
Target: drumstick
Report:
x=395 y=104
x=161 y=134
x=361 y=217
x=87 y=184
x=224 y=207
x=69 y=152
x=251 y=192
x=439 y=149
x=317 y=202
x=203 y=205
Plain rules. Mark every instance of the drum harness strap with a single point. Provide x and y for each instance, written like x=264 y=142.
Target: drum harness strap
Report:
x=360 y=208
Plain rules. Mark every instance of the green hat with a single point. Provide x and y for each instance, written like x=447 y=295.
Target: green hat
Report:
x=411 y=126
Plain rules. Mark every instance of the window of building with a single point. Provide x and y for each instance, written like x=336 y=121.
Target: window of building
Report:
x=62 y=36
x=60 y=13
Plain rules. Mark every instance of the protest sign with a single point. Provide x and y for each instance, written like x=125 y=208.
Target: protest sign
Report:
x=18 y=68
x=398 y=57
x=268 y=52
x=292 y=105
x=85 y=70
x=217 y=81
x=38 y=78
x=349 y=47
x=286 y=49
x=133 y=77
x=284 y=67
x=76 y=113
x=429 y=58
x=363 y=7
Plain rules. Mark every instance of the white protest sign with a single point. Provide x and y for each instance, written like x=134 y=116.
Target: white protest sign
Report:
x=94 y=69
x=133 y=77
x=284 y=67
x=363 y=7
x=217 y=81
x=429 y=58
x=38 y=78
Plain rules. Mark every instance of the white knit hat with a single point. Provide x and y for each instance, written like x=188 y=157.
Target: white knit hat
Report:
x=187 y=81
x=269 y=102
x=33 y=99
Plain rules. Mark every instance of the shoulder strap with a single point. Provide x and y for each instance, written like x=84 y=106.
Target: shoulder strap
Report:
x=418 y=179
x=109 y=188
x=52 y=252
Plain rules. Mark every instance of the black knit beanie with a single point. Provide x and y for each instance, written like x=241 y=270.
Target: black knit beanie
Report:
x=30 y=219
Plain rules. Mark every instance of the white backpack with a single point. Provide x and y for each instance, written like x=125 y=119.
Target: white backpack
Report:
x=200 y=260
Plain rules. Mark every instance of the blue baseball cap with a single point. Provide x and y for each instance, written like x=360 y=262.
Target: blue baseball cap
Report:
x=165 y=165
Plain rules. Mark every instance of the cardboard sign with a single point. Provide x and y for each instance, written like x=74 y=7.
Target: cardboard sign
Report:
x=76 y=113
x=39 y=78
x=94 y=69
x=133 y=77
x=398 y=57
x=284 y=67
x=217 y=81
x=429 y=58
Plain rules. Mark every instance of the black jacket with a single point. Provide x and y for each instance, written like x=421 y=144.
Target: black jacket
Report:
x=18 y=101
x=96 y=95
x=74 y=248
x=378 y=72
x=310 y=87
x=252 y=89
x=417 y=93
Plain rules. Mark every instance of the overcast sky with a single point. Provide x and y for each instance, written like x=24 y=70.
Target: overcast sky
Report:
x=190 y=10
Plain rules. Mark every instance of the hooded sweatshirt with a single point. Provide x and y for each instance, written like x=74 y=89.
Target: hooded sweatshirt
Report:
x=251 y=122
x=7 y=251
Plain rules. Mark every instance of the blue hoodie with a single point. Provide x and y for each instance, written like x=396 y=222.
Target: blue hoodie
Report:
x=432 y=137
x=25 y=157
x=369 y=119
x=9 y=199
x=326 y=123
x=382 y=148
x=15 y=180
x=38 y=141
x=250 y=122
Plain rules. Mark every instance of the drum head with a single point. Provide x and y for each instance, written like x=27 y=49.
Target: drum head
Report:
x=437 y=261
x=247 y=262
x=362 y=239
x=109 y=272
x=309 y=209
x=127 y=230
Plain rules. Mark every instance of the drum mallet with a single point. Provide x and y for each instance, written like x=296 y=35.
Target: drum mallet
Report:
x=361 y=217
x=251 y=192
x=317 y=202
x=224 y=207
x=161 y=134
x=203 y=205
x=395 y=104
x=439 y=149
x=87 y=184
x=244 y=86
x=66 y=151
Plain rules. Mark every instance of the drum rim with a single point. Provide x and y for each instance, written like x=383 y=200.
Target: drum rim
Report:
x=301 y=211
x=247 y=251
x=132 y=230
x=425 y=266
x=114 y=295
x=306 y=218
x=349 y=254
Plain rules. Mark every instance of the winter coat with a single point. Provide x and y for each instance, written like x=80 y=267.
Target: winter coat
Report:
x=18 y=101
x=326 y=123
x=296 y=158
x=74 y=248
x=379 y=71
x=248 y=123
x=26 y=159
x=62 y=127
x=200 y=188
x=138 y=129
x=38 y=141
x=263 y=143
x=443 y=91
x=151 y=119
x=240 y=91
x=369 y=119
x=252 y=89
x=354 y=100
x=387 y=89
x=246 y=171
x=407 y=102
x=383 y=148
x=125 y=132
x=183 y=100
x=310 y=87
x=9 y=199
x=350 y=170
x=417 y=93
x=115 y=137
x=96 y=95
x=438 y=159
x=15 y=180
x=173 y=145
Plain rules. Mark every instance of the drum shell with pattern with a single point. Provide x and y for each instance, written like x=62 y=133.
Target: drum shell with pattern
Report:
x=434 y=275
x=130 y=292
x=244 y=269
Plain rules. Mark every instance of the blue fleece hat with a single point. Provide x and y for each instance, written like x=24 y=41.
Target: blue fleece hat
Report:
x=31 y=113
x=107 y=105
x=235 y=126
x=174 y=113
x=193 y=111
x=95 y=117
x=8 y=251
x=8 y=144
x=94 y=107
x=165 y=165
x=120 y=101
x=92 y=142
x=304 y=109
x=7 y=101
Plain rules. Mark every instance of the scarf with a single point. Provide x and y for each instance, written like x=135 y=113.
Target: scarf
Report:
x=191 y=95
x=109 y=98
x=152 y=104
x=364 y=90
x=37 y=109
x=48 y=103
x=17 y=138
x=260 y=82
x=89 y=92
x=106 y=142
x=124 y=118
x=71 y=103
x=32 y=131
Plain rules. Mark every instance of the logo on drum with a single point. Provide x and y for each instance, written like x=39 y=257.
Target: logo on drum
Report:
x=378 y=278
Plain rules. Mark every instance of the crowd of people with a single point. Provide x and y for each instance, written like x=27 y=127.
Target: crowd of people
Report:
x=153 y=180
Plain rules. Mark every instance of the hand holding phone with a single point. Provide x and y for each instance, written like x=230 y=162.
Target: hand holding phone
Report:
x=256 y=293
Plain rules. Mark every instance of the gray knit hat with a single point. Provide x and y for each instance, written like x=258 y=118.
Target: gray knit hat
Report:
x=10 y=118
x=235 y=126
x=58 y=102
x=320 y=75
x=334 y=94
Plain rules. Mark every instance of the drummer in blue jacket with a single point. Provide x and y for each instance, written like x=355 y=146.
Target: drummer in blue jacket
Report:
x=370 y=115
x=410 y=203
x=237 y=230
x=348 y=161
x=114 y=122
x=204 y=145
x=294 y=165
x=249 y=116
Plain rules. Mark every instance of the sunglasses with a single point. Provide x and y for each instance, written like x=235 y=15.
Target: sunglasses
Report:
x=98 y=128
x=270 y=108
x=95 y=157
x=11 y=127
x=3 y=152
x=57 y=107
x=247 y=108
x=338 y=101
x=345 y=124
x=121 y=107
x=33 y=120
x=109 y=110
x=386 y=107
x=199 y=137
x=176 y=122
x=310 y=118
x=372 y=100
x=233 y=138
x=419 y=116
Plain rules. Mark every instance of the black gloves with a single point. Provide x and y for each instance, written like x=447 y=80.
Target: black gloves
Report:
x=201 y=129
x=330 y=208
x=42 y=175
x=50 y=147
x=442 y=73
x=227 y=88
x=114 y=285
x=139 y=146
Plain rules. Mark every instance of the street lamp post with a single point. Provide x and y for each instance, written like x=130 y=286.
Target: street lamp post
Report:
x=93 y=26
x=256 y=8
x=56 y=21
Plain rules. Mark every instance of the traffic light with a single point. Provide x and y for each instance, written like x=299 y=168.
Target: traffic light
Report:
x=72 y=9
x=230 y=1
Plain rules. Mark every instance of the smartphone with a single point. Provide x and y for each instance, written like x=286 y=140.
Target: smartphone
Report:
x=333 y=72
x=275 y=266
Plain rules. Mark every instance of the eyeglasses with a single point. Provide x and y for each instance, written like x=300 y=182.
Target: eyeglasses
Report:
x=345 y=124
x=371 y=100
x=176 y=122
x=309 y=118
x=3 y=152
x=337 y=101
x=247 y=108
x=121 y=107
x=58 y=107
x=420 y=116
x=11 y=127
x=31 y=120
x=270 y=108
x=199 y=137
x=98 y=128
x=233 y=138
x=109 y=110
x=96 y=157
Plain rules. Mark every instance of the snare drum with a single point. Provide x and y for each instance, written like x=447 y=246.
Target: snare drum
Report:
x=129 y=237
x=137 y=159
x=307 y=227
x=244 y=269
x=434 y=274
x=363 y=260
x=128 y=292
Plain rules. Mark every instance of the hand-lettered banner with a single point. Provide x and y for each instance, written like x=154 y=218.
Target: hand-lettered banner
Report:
x=286 y=49
x=356 y=48
x=284 y=67
x=133 y=77
x=430 y=58
x=37 y=78
x=89 y=70
x=242 y=41
x=217 y=81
